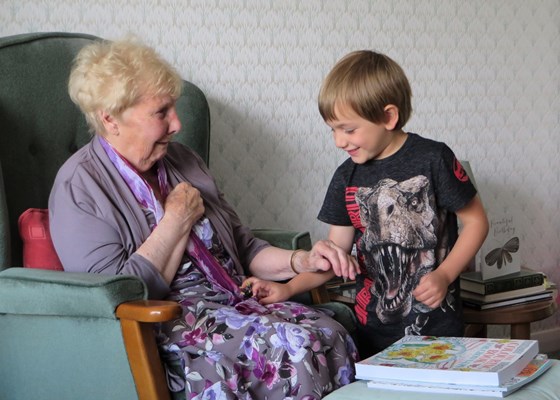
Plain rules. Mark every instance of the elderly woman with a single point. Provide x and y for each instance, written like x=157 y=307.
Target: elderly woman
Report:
x=133 y=202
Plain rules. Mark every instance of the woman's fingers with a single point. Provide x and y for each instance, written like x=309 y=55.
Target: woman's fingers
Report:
x=185 y=203
x=325 y=255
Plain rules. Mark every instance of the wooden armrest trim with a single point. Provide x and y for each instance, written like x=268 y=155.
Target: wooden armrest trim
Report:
x=149 y=310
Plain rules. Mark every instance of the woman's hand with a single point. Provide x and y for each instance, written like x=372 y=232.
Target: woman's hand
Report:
x=326 y=255
x=267 y=292
x=184 y=204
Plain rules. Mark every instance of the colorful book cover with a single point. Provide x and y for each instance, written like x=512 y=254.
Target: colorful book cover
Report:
x=538 y=366
x=463 y=360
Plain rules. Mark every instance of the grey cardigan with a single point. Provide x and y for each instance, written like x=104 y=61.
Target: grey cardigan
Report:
x=97 y=225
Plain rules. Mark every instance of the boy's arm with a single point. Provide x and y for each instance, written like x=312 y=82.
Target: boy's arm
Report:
x=343 y=238
x=268 y=292
x=433 y=287
x=308 y=280
x=472 y=236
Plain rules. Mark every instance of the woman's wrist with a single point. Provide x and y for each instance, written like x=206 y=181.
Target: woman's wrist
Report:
x=295 y=261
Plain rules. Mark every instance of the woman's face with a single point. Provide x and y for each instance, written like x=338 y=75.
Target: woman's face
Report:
x=145 y=130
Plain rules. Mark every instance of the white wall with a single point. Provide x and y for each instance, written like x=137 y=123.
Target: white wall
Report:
x=485 y=76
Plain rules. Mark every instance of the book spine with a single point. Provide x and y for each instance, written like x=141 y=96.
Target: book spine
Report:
x=520 y=282
x=472 y=304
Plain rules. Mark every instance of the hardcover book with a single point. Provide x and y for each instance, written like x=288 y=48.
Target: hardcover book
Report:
x=481 y=305
x=472 y=281
x=538 y=366
x=463 y=360
x=500 y=251
x=510 y=294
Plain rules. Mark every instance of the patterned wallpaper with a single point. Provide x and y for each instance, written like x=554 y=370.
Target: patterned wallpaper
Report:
x=484 y=74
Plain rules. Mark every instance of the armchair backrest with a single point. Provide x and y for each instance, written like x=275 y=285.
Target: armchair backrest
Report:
x=40 y=127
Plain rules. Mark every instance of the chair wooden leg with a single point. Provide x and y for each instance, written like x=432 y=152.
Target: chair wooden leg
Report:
x=145 y=363
x=137 y=318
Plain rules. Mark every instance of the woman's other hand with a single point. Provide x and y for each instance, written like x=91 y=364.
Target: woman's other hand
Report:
x=326 y=255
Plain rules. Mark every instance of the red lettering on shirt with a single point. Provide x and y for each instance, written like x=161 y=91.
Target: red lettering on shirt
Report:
x=362 y=299
x=353 y=208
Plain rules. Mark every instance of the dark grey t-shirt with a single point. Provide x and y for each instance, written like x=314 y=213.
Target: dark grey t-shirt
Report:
x=403 y=211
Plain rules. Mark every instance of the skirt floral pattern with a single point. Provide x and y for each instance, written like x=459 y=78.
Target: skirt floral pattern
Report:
x=227 y=348
x=250 y=351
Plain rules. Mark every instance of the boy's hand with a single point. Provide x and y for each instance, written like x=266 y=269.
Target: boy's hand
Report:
x=267 y=292
x=432 y=289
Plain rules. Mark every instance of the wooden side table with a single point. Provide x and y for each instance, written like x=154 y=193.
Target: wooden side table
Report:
x=519 y=317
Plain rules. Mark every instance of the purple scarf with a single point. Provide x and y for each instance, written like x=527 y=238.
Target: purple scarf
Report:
x=197 y=251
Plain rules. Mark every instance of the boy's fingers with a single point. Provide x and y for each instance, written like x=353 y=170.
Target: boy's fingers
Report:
x=247 y=282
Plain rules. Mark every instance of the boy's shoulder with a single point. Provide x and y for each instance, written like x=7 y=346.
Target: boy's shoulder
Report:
x=416 y=141
x=416 y=147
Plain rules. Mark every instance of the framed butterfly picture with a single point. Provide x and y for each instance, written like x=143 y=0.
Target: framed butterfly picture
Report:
x=500 y=252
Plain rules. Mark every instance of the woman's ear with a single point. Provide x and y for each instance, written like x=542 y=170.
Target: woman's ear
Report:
x=391 y=116
x=109 y=123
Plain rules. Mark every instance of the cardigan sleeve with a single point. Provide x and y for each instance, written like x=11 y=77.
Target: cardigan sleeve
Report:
x=96 y=232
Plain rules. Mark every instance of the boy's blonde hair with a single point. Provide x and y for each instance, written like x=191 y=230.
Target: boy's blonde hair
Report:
x=113 y=76
x=366 y=82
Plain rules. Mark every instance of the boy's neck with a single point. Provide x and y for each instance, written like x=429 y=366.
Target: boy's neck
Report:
x=398 y=137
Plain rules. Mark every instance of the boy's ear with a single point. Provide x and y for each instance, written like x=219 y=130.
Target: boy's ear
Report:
x=391 y=116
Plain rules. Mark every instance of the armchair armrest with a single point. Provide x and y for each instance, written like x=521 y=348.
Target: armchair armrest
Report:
x=285 y=239
x=119 y=300
x=28 y=291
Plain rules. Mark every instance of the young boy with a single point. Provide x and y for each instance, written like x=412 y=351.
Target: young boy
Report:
x=397 y=198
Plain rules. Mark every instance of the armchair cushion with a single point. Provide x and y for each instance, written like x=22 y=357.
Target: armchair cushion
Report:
x=38 y=249
x=70 y=294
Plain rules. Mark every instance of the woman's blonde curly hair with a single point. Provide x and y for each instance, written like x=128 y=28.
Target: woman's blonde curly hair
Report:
x=112 y=76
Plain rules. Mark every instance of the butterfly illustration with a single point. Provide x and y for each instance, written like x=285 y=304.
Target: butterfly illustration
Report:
x=502 y=255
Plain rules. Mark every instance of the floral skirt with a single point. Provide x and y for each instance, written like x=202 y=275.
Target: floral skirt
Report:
x=250 y=351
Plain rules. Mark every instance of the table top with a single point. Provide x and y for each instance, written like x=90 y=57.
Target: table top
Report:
x=517 y=314
x=545 y=387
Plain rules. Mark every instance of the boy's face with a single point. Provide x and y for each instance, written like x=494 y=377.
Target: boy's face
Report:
x=363 y=140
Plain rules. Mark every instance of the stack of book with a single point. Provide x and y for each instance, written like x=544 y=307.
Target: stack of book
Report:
x=521 y=287
x=455 y=365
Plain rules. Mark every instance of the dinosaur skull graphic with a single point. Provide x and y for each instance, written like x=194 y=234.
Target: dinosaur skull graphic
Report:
x=397 y=242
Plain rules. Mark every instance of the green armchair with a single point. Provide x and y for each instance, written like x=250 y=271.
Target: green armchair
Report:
x=70 y=335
